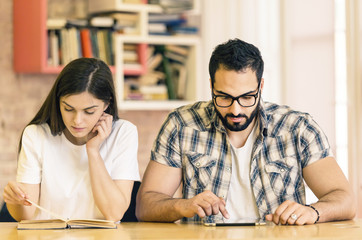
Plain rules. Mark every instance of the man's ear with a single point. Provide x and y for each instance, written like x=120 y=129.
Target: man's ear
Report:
x=210 y=83
x=261 y=85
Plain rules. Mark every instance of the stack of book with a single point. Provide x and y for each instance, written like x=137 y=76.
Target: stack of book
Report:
x=122 y=22
x=170 y=24
x=165 y=78
x=173 y=6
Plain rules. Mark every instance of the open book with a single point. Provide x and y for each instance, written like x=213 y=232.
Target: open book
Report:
x=60 y=223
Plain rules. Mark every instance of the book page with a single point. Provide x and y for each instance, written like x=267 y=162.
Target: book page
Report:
x=96 y=223
x=42 y=224
x=56 y=216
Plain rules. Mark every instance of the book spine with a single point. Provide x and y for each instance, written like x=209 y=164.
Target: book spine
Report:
x=86 y=43
x=169 y=82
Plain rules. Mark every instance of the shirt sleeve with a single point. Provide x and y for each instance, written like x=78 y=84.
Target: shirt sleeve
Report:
x=125 y=164
x=29 y=160
x=314 y=143
x=166 y=148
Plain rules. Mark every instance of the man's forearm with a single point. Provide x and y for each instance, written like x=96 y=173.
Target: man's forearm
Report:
x=158 y=207
x=336 y=205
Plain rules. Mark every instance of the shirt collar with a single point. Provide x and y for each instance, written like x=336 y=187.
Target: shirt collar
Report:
x=263 y=120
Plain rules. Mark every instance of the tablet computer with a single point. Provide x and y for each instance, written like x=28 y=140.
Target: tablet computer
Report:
x=234 y=224
x=239 y=222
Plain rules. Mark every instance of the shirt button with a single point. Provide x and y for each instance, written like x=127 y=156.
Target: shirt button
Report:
x=228 y=169
x=282 y=169
x=197 y=164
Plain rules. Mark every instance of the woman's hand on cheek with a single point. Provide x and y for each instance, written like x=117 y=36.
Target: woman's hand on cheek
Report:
x=100 y=132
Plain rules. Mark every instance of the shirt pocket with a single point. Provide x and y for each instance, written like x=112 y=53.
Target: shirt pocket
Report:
x=283 y=175
x=198 y=169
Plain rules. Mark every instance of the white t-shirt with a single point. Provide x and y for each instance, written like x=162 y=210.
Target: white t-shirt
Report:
x=240 y=203
x=61 y=168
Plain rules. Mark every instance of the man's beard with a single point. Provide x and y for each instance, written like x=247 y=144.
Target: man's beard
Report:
x=237 y=127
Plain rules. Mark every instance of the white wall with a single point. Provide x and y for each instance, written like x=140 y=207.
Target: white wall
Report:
x=310 y=76
x=296 y=39
x=354 y=78
x=254 y=21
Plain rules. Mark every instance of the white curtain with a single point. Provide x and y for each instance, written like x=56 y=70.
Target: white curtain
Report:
x=354 y=89
x=254 y=21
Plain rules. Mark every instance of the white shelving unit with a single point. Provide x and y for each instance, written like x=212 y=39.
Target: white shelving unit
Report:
x=192 y=65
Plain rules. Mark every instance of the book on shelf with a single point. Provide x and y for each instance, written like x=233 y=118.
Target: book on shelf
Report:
x=102 y=39
x=96 y=6
x=132 y=66
x=61 y=223
x=74 y=43
x=86 y=41
x=101 y=46
x=101 y=21
x=64 y=47
x=94 y=41
x=167 y=19
x=77 y=22
x=154 y=92
x=130 y=54
x=152 y=78
x=134 y=1
x=169 y=82
x=182 y=50
x=98 y=43
x=67 y=44
x=184 y=30
x=168 y=65
x=126 y=23
x=58 y=23
x=154 y=61
x=174 y=57
x=165 y=24
x=122 y=22
x=179 y=77
x=108 y=39
x=157 y=28
x=174 y=6
x=53 y=56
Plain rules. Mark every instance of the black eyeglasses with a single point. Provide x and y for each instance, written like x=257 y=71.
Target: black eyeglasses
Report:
x=244 y=100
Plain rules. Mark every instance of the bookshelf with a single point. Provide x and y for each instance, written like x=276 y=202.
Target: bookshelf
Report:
x=31 y=48
x=30 y=37
x=192 y=65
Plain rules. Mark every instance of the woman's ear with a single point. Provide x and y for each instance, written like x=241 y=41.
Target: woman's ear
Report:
x=105 y=107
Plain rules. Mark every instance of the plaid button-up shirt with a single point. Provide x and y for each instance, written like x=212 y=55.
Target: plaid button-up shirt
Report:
x=193 y=138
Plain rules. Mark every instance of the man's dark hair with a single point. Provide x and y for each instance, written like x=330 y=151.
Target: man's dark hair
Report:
x=236 y=55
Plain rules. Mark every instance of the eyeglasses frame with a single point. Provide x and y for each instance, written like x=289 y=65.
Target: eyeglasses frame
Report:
x=236 y=98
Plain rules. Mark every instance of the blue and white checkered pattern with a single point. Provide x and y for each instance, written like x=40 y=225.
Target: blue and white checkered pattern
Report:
x=193 y=138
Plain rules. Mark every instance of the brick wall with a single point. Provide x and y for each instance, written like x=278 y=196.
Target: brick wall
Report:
x=22 y=94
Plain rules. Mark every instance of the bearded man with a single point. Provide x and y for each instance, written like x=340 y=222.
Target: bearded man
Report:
x=238 y=157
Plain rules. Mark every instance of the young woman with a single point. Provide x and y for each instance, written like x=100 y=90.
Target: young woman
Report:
x=76 y=157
